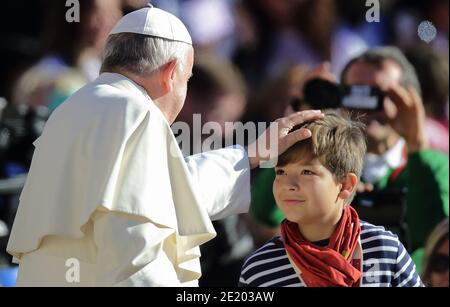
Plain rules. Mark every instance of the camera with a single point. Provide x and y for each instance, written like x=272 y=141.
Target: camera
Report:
x=323 y=94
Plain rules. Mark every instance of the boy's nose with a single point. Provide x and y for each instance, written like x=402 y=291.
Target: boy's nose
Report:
x=292 y=184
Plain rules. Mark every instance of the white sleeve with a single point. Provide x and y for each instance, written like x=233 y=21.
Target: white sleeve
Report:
x=223 y=180
x=131 y=251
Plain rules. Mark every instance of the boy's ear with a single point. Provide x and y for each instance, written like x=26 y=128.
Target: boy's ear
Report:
x=167 y=76
x=348 y=186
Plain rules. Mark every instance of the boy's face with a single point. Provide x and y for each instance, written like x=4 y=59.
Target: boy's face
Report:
x=307 y=192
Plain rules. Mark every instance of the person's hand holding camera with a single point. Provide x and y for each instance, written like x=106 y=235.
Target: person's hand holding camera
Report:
x=406 y=114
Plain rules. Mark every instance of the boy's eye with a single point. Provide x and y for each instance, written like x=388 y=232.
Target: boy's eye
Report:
x=307 y=172
x=279 y=172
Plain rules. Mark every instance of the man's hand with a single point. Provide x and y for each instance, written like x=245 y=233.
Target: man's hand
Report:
x=407 y=116
x=278 y=134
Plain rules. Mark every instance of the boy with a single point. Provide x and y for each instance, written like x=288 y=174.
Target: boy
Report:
x=323 y=242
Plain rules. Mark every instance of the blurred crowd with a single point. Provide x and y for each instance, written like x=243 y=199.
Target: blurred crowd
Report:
x=253 y=58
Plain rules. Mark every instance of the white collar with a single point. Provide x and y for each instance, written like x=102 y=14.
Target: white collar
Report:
x=394 y=156
x=376 y=166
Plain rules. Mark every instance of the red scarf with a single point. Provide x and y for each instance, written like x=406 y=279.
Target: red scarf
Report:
x=330 y=266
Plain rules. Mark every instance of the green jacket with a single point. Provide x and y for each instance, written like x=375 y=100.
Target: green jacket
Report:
x=425 y=176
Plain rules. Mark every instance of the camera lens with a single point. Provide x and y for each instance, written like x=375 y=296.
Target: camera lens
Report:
x=322 y=94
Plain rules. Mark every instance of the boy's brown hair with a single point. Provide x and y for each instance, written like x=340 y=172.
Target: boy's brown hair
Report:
x=338 y=142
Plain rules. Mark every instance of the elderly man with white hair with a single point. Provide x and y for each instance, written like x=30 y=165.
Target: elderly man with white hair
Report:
x=110 y=199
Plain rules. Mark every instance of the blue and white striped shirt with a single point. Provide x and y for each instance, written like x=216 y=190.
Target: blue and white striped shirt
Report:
x=386 y=263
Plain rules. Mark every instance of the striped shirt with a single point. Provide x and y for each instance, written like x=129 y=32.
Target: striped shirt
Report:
x=386 y=263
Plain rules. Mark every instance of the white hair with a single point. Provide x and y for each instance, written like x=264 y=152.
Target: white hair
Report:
x=141 y=54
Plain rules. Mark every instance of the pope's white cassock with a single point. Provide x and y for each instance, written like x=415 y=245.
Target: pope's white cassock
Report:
x=110 y=190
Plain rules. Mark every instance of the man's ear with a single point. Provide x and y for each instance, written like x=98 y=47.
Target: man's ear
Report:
x=167 y=76
x=348 y=186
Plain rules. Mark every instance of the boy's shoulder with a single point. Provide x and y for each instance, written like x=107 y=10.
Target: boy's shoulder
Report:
x=369 y=230
x=376 y=241
x=386 y=262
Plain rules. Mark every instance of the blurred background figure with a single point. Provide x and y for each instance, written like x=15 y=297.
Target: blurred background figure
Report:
x=275 y=35
x=432 y=71
x=67 y=64
x=218 y=37
x=398 y=152
x=274 y=96
x=217 y=92
x=435 y=264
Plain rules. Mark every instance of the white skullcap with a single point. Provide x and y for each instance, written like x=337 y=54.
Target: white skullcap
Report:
x=152 y=21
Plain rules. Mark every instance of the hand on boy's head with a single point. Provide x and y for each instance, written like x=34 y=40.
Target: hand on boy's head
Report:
x=285 y=138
